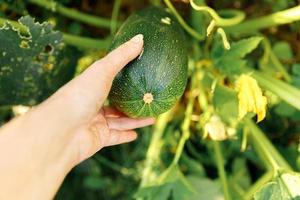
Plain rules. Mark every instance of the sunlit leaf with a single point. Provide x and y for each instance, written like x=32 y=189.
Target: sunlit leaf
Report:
x=206 y=188
x=285 y=187
x=171 y=185
x=242 y=47
x=231 y=61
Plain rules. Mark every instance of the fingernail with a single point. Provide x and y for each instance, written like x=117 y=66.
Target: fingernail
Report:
x=137 y=39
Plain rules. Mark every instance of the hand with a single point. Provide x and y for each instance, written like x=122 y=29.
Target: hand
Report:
x=38 y=149
x=85 y=95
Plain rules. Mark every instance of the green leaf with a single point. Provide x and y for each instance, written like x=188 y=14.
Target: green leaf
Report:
x=32 y=65
x=170 y=185
x=285 y=110
x=283 y=50
x=193 y=166
x=240 y=173
x=242 y=47
x=230 y=66
x=206 y=188
x=296 y=69
x=226 y=103
x=286 y=92
x=94 y=182
x=285 y=187
x=296 y=75
x=231 y=61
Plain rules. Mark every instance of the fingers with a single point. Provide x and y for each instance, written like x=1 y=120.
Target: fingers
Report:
x=111 y=112
x=84 y=95
x=94 y=83
x=120 y=137
x=111 y=64
x=125 y=123
x=122 y=55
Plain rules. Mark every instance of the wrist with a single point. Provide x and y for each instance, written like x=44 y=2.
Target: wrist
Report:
x=36 y=157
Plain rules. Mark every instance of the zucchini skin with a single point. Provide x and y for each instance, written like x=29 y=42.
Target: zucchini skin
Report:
x=160 y=72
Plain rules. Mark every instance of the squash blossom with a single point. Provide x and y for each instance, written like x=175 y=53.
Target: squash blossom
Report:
x=250 y=97
x=215 y=129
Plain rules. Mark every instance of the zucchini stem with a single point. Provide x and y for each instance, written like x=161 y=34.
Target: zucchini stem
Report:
x=181 y=21
x=221 y=171
x=73 y=14
x=279 y=18
x=154 y=148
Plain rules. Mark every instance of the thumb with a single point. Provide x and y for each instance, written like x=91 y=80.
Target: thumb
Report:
x=118 y=58
x=99 y=76
x=95 y=82
x=111 y=64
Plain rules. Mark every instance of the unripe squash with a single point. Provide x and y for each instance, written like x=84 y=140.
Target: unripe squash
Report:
x=153 y=82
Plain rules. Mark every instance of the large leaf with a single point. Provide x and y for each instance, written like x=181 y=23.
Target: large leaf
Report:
x=231 y=61
x=285 y=187
x=171 y=185
x=283 y=50
x=32 y=65
x=225 y=102
x=242 y=47
x=206 y=188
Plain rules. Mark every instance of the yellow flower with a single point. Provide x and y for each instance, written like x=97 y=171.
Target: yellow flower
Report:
x=250 y=97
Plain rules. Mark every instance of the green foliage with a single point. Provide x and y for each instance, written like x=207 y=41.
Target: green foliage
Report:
x=283 y=50
x=14 y=5
x=226 y=103
x=206 y=188
x=285 y=186
x=256 y=161
x=32 y=64
x=231 y=61
x=170 y=185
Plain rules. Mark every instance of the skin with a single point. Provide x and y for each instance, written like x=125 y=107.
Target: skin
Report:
x=38 y=149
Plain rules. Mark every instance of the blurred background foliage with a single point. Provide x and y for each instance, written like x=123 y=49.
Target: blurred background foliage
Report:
x=116 y=172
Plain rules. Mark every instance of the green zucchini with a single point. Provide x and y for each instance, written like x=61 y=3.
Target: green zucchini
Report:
x=152 y=83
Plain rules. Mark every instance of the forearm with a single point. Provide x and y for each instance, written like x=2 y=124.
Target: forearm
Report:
x=33 y=162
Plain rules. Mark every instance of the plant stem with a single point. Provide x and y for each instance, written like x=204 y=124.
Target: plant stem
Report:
x=73 y=14
x=155 y=146
x=265 y=148
x=187 y=119
x=238 y=16
x=269 y=54
x=78 y=41
x=114 y=16
x=221 y=170
x=258 y=184
x=286 y=92
x=282 y=17
x=84 y=42
x=277 y=64
x=181 y=21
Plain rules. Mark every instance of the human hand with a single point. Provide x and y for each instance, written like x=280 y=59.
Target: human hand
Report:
x=97 y=126
x=38 y=149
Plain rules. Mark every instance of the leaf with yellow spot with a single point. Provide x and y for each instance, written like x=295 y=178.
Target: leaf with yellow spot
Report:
x=250 y=97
